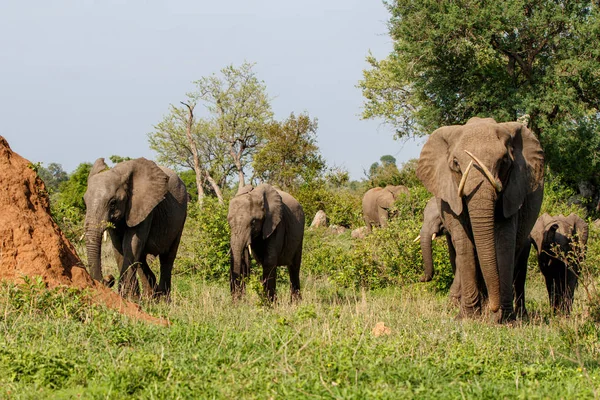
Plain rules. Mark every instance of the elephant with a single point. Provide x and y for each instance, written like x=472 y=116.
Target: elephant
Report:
x=269 y=224
x=143 y=207
x=560 y=243
x=377 y=202
x=488 y=181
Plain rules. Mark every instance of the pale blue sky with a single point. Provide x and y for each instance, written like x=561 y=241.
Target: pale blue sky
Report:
x=86 y=79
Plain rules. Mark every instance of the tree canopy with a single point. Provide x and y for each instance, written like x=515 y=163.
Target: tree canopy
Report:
x=290 y=155
x=453 y=60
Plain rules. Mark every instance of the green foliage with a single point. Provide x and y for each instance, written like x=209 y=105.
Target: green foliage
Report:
x=386 y=257
x=558 y=198
x=456 y=60
x=53 y=176
x=115 y=159
x=67 y=205
x=342 y=205
x=204 y=248
x=290 y=155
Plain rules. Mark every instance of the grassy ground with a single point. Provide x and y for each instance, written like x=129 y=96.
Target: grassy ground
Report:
x=55 y=345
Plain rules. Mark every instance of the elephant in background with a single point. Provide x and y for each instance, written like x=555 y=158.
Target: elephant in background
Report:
x=376 y=204
x=488 y=179
x=143 y=207
x=560 y=243
x=269 y=224
x=431 y=229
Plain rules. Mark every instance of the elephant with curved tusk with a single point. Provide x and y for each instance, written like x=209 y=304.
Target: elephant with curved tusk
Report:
x=488 y=179
x=377 y=202
x=143 y=207
x=560 y=243
x=269 y=224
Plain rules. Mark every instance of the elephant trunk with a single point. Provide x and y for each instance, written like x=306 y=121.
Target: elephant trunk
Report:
x=240 y=258
x=482 y=224
x=426 y=240
x=93 y=245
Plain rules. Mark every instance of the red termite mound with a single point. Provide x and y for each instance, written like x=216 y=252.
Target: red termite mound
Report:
x=32 y=244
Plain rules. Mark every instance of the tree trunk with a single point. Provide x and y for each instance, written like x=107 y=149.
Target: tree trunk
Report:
x=197 y=168
x=215 y=187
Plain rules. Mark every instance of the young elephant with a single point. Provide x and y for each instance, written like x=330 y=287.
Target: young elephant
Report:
x=269 y=224
x=377 y=202
x=560 y=242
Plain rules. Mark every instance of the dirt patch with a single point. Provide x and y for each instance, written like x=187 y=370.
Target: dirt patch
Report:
x=32 y=244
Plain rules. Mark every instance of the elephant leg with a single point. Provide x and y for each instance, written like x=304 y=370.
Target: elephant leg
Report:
x=147 y=278
x=133 y=248
x=519 y=280
x=270 y=280
x=506 y=234
x=166 y=268
x=455 y=287
x=368 y=224
x=470 y=302
x=572 y=279
x=294 y=271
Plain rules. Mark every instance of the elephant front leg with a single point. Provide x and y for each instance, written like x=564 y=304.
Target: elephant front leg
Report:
x=270 y=280
x=133 y=245
x=294 y=271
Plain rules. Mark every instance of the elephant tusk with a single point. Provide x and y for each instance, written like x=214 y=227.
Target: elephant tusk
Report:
x=433 y=236
x=249 y=249
x=82 y=236
x=497 y=185
x=463 y=180
x=417 y=239
x=105 y=236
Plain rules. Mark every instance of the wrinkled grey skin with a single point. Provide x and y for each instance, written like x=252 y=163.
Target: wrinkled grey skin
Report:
x=490 y=221
x=377 y=202
x=271 y=222
x=560 y=243
x=147 y=207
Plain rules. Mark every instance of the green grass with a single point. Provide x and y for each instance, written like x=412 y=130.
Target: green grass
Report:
x=54 y=344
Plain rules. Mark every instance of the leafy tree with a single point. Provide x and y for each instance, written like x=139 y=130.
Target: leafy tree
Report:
x=240 y=110
x=117 y=159
x=453 y=60
x=72 y=191
x=195 y=146
x=383 y=174
x=52 y=176
x=290 y=155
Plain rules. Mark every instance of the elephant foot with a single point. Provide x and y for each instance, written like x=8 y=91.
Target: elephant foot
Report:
x=109 y=281
x=504 y=316
x=426 y=278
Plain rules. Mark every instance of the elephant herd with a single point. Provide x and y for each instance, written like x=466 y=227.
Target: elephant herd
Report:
x=487 y=182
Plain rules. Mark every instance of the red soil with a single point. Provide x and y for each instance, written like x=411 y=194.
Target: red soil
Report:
x=32 y=244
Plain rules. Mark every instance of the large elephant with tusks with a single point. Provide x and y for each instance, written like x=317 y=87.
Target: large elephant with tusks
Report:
x=488 y=178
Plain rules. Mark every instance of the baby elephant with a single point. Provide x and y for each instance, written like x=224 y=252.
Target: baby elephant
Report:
x=269 y=224
x=432 y=228
x=560 y=242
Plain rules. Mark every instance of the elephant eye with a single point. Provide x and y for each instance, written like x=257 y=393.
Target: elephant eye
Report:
x=455 y=165
x=112 y=203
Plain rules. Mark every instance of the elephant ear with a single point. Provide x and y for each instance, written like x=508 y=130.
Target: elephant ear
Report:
x=385 y=198
x=538 y=231
x=273 y=207
x=148 y=185
x=527 y=172
x=580 y=227
x=99 y=166
x=433 y=169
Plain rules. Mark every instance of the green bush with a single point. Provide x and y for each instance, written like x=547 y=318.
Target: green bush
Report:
x=388 y=256
x=204 y=247
x=342 y=205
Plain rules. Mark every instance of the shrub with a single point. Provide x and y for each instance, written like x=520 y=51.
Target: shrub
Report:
x=204 y=248
x=342 y=205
